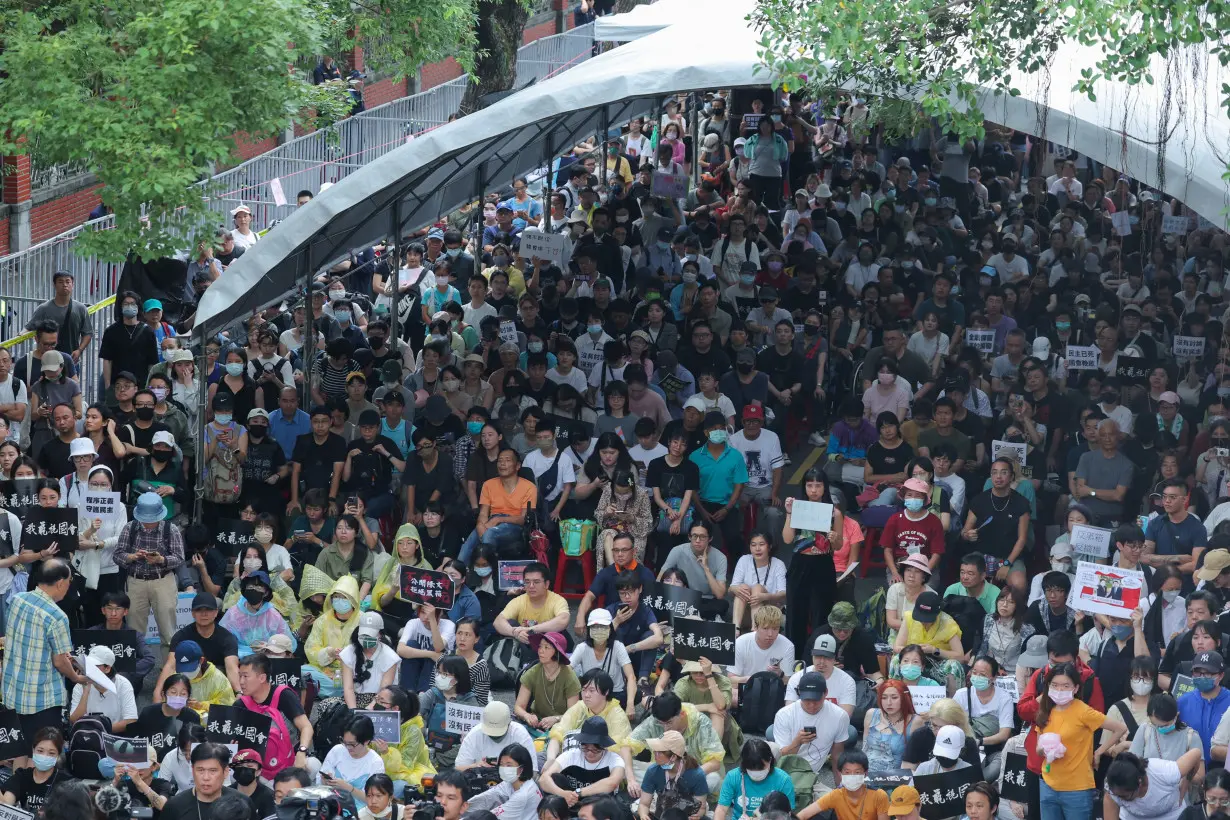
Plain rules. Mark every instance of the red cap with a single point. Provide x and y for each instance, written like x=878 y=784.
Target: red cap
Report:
x=753 y=411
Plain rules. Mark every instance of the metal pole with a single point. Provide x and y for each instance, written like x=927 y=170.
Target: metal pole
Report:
x=198 y=496
x=480 y=188
x=549 y=144
x=694 y=111
x=395 y=272
x=309 y=329
x=604 y=120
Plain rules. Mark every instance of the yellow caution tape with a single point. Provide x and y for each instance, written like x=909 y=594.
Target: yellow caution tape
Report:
x=92 y=309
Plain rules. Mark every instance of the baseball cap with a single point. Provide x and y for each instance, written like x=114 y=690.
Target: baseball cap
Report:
x=1214 y=562
x=204 y=600
x=599 y=617
x=927 y=607
x=53 y=360
x=949 y=742
x=247 y=756
x=753 y=411
x=824 y=647
x=671 y=741
x=163 y=437
x=1131 y=309
x=496 y=719
x=370 y=624
x=904 y=801
x=1207 y=662
x=812 y=686
x=258 y=413
x=102 y=655
x=187 y=656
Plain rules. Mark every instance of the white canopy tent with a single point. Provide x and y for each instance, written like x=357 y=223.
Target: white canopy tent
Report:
x=649 y=18
x=1172 y=136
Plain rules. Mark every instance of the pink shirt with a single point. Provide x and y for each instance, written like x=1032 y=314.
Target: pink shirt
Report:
x=876 y=402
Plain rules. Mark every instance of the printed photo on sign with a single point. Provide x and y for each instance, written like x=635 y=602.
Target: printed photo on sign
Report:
x=670 y=186
x=511 y=573
x=460 y=718
x=1188 y=347
x=925 y=696
x=1103 y=590
x=387 y=725
x=1015 y=450
x=667 y=601
x=426 y=586
x=1093 y=541
x=104 y=506
x=943 y=795
x=981 y=340
x=1082 y=357
x=235 y=724
x=45 y=526
x=130 y=751
x=693 y=639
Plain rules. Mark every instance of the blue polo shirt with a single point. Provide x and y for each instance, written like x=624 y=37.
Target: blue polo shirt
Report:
x=718 y=476
x=1176 y=539
x=604 y=583
x=286 y=431
x=1203 y=715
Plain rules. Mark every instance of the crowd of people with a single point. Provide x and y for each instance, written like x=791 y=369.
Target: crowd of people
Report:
x=1005 y=388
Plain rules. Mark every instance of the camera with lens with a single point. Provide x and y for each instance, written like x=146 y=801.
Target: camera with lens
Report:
x=317 y=803
x=422 y=799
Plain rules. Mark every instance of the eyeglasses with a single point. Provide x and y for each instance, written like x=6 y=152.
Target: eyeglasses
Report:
x=698 y=536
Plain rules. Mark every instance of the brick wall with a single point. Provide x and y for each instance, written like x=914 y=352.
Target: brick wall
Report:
x=15 y=182
x=247 y=148
x=4 y=236
x=439 y=73
x=58 y=215
x=537 y=32
x=383 y=91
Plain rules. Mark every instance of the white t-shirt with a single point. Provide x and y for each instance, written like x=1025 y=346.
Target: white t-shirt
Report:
x=574 y=758
x=610 y=374
x=276 y=557
x=384 y=659
x=772 y=578
x=1000 y=705
x=583 y=660
x=118 y=705
x=575 y=377
x=538 y=463
x=750 y=658
x=10 y=396
x=1161 y=801
x=762 y=456
x=416 y=634
x=478 y=745
x=641 y=458
x=831 y=723
x=473 y=315
x=245 y=240
x=841 y=689
x=339 y=764
x=590 y=352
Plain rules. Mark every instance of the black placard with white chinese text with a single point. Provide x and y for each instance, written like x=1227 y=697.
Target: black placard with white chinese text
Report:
x=695 y=638
x=943 y=795
x=19 y=496
x=666 y=600
x=1015 y=784
x=235 y=724
x=387 y=725
x=13 y=743
x=232 y=535
x=427 y=586
x=45 y=526
x=1133 y=369
x=889 y=779
x=286 y=672
x=123 y=642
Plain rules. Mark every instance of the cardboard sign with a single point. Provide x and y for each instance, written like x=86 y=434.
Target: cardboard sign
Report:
x=13 y=813
x=13 y=743
x=1103 y=590
x=130 y=751
x=889 y=779
x=286 y=672
x=1133 y=369
x=1015 y=450
x=1093 y=541
x=123 y=642
x=387 y=725
x=106 y=506
x=460 y=718
x=427 y=586
x=925 y=696
x=669 y=186
x=815 y=516
x=511 y=573
x=1007 y=685
x=694 y=638
x=1188 y=347
x=231 y=535
x=1015 y=786
x=46 y=526
x=1121 y=221
x=275 y=188
x=1181 y=685
x=235 y=724
x=667 y=601
x=508 y=331
x=1176 y=224
x=183 y=617
x=1082 y=357
x=943 y=795
x=545 y=246
x=981 y=340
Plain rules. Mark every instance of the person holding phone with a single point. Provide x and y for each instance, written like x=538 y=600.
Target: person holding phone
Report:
x=813 y=728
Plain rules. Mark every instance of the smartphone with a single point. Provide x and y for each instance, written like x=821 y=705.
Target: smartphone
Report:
x=811 y=730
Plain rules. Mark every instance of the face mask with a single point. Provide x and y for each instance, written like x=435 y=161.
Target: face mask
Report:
x=473 y=427
x=747 y=279
x=376 y=342
x=841 y=209
x=1205 y=684
x=852 y=782
x=44 y=763
x=599 y=634
x=368 y=641
x=1060 y=697
x=689 y=277
x=744 y=367
x=1170 y=595
x=451 y=385
x=1060 y=566
x=342 y=606
x=444 y=682
x=776 y=118
x=443 y=279
x=343 y=316
x=257 y=432
x=244 y=776
x=911 y=671
x=337 y=294
x=160 y=394
x=717 y=436
x=1121 y=631
x=234 y=368
x=254 y=596
x=535 y=347
x=594 y=329
x=453 y=252
x=251 y=564
x=509 y=774
x=908 y=265
x=666 y=767
x=161 y=456
x=929 y=202
x=145 y=413
x=129 y=311
x=987 y=244
x=981 y=683
x=500 y=261
x=886 y=378
x=1142 y=687
x=914 y=504
x=759 y=776
x=177 y=701
x=263 y=535
x=1161 y=730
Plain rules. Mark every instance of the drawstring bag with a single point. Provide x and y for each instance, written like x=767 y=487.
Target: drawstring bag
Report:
x=577 y=536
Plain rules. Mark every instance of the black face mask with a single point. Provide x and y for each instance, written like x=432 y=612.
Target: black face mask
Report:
x=512 y=392
x=376 y=342
x=244 y=776
x=145 y=413
x=811 y=330
x=312 y=607
x=744 y=367
x=161 y=456
x=257 y=432
x=254 y=596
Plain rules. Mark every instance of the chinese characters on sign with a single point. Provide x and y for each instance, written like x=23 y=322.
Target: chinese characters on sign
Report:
x=386 y=725
x=235 y=724
x=106 y=506
x=233 y=535
x=46 y=526
x=286 y=672
x=667 y=600
x=943 y=795
x=426 y=586
x=694 y=638
x=460 y=718
x=123 y=642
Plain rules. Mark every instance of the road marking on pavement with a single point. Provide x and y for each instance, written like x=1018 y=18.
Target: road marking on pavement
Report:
x=807 y=464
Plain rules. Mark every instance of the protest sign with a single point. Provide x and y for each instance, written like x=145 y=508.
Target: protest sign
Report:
x=45 y=526
x=565 y=428
x=1093 y=541
x=511 y=572
x=275 y=188
x=8 y=812
x=235 y=724
x=1181 y=685
x=670 y=383
x=1121 y=221
x=18 y=496
x=286 y=672
x=183 y=617
x=1016 y=777
x=1015 y=450
x=667 y=600
x=943 y=795
x=1082 y=357
x=1133 y=369
x=13 y=743
x=508 y=331
x=925 y=696
x=888 y=780
x=1103 y=590
x=752 y=121
x=102 y=505
x=130 y=751
x=1176 y=224
x=815 y=516
x=1007 y=685
x=1188 y=347
x=231 y=535
x=981 y=340
x=695 y=638
x=460 y=718
x=123 y=642
x=387 y=725
x=546 y=246
x=427 y=586
x=670 y=186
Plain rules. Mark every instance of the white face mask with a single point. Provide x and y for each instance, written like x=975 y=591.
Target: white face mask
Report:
x=760 y=775
x=444 y=682
x=251 y=564
x=508 y=774
x=1141 y=688
x=852 y=782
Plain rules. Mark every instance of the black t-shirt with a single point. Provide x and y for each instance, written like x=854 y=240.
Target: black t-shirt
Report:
x=53 y=458
x=543 y=394
x=318 y=461
x=160 y=730
x=919 y=745
x=784 y=370
x=217 y=647
x=427 y=482
x=795 y=299
x=973 y=427
x=696 y=438
x=131 y=433
x=885 y=461
x=673 y=482
x=857 y=656
x=446 y=434
x=262 y=802
x=371 y=474
x=998 y=536
x=32 y=796
x=185 y=806
x=264 y=459
x=128 y=347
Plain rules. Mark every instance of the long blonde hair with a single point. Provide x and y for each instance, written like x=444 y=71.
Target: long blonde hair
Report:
x=949 y=711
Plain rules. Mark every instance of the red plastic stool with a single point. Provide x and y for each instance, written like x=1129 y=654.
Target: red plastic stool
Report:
x=751 y=514
x=871 y=557
x=587 y=572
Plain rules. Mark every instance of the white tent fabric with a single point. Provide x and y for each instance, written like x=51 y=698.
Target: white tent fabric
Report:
x=1175 y=126
x=649 y=18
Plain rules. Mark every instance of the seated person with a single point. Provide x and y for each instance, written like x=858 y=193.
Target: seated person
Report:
x=451 y=685
x=348 y=764
x=939 y=636
x=536 y=611
x=330 y=635
x=254 y=620
x=704 y=686
x=517 y=796
x=744 y=788
x=252 y=559
x=501 y=507
x=763 y=649
x=946 y=753
x=407 y=762
x=635 y=624
x=159 y=722
x=812 y=727
x=550 y=687
x=119 y=706
x=1052 y=613
x=597 y=700
x=852 y=796
x=674 y=775
x=407 y=552
x=856 y=654
x=378 y=794
x=908 y=667
x=599 y=650
x=602 y=592
x=841 y=688
x=176 y=766
x=482 y=745
x=587 y=768
x=245 y=771
x=215 y=642
x=666 y=713
x=423 y=641
x=27 y=788
x=368 y=663
x=115 y=617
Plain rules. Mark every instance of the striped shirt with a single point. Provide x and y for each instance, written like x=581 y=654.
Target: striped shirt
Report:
x=37 y=631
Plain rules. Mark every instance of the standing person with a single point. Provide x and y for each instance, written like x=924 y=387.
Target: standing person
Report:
x=149 y=550
x=723 y=475
x=766 y=150
x=128 y=345
x=811 y=583
x=71 y=315
x=39 y=651
x=1203 y=708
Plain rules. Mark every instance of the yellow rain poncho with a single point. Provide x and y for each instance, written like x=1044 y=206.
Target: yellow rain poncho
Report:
x=330 y=632
x=390 y=574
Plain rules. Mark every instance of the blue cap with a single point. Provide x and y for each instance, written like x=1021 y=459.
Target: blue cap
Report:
x=436 y=233
x=149 y=509
x=152 y=304
x=187 y=656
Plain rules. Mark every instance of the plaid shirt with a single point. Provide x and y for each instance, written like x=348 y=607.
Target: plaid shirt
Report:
x=150 y=541
x=37 y=632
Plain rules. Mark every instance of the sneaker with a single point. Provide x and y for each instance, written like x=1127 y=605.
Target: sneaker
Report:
x=785 y=461
x=817 y=439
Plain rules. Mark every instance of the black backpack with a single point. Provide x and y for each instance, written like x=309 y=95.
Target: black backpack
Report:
x=763 y=696
x=970 y=616
x=85 y=746
x=330 y=725
x=503 y=659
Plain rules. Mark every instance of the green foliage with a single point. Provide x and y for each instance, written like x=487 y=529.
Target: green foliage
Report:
x=398 y=36
x=939 y=53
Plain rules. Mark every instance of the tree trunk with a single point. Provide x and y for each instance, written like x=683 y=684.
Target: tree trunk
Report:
x=499 y=31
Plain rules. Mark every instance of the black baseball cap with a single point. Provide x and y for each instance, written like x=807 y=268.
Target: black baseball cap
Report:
x=812 y=686
x=927 y=607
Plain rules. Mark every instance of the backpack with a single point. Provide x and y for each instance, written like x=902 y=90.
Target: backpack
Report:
x=763 y=696
x=223 y=476
x=970 y=616
x=873 y=615
x=279 y=751
x=329 y=726
x=85 y=746
x=747 y=248
x=164 y=538
x=503 y=659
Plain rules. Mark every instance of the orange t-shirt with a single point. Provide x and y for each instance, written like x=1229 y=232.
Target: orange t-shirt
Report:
x=502 y=502
x=873 y=804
